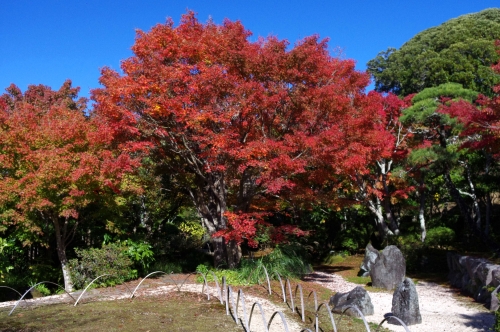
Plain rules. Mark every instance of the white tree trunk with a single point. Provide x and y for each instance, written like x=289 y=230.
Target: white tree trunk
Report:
x=421 y=211
x=61 y=253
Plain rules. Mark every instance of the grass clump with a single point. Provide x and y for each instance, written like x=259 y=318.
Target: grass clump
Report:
x=289 y=261
x=233 y=277
x=286 y=260
x=359 y=280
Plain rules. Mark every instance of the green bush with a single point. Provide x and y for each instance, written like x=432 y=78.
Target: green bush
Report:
x=440 y=236
x=42 y=271
x=420 y=256
x=353 y=237
x=111 y=259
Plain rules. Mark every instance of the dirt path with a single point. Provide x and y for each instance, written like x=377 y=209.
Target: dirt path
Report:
x=440 y=308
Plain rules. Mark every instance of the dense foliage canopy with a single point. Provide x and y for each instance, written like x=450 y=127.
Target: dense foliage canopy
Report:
x=248 y=128
x=460 y=50
x=206 y=138
x=54 y=161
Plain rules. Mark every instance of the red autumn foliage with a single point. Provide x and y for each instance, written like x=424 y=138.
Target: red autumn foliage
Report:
x=481 y=120
x=53 y=161
x=246 y=127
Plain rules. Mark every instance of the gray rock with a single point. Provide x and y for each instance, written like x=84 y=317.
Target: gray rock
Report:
x=494 y=302
x=371 y=255
x=405 y=304
x=476 y=276
x=495 y=276
x=389 y=269
x=358 y=297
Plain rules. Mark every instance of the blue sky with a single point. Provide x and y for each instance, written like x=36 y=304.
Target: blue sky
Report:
x=47 y=42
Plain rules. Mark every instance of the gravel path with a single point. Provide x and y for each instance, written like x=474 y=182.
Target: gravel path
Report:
x=441 y=310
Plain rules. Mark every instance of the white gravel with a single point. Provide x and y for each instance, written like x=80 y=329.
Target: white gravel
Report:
x=440 y=309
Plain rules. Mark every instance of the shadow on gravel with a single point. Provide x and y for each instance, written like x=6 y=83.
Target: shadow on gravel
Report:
x=480 y=320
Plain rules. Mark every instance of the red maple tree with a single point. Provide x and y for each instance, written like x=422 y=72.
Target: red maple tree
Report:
x=247 y=128
x=53 y=161
x=381 y=187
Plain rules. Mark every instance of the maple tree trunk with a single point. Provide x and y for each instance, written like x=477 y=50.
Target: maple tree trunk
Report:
x=375 y=207
x=226 y=254
x=209 y=198
x=233 y=251
x=219 y=252
x=61 y=253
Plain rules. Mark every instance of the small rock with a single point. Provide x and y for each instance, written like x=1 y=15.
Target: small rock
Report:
x=405 y=304
x=358 y=297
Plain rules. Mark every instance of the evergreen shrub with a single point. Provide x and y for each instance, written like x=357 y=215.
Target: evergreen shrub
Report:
x=111 y=259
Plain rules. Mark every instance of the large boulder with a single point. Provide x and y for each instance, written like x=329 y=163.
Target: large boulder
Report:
x=358 y=297
x=389 y=268
x=405 y=304
x=371 y=255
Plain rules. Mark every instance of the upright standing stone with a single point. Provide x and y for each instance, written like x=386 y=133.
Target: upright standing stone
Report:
x=405 y=304
x=389 y=268
x=371 y=255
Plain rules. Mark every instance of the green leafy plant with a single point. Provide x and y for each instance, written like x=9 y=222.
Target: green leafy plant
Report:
x=5 y=264
x=263 y=235
x=440 y=236
x=140 y=253
x=111 y=259
x=192 y=229
x=42 y=289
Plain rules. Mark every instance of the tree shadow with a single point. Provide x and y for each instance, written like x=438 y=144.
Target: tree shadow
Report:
x=479 y=320
x=333 y=269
